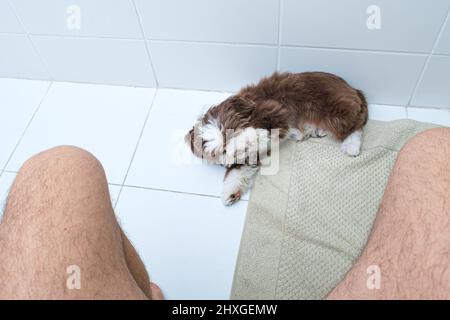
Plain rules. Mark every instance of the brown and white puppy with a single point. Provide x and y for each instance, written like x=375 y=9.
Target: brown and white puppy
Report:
x=299 y=105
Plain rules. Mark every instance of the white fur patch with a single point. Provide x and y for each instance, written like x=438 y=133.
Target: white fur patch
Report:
x=237 y=182
x=352 y=144
x=212 y=136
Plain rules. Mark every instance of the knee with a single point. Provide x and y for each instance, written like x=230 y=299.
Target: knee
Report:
x=62 y=160
x=65 y=187
x=431 y=143
x=429 y=150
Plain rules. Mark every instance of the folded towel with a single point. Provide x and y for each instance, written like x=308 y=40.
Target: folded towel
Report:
x=308 y=224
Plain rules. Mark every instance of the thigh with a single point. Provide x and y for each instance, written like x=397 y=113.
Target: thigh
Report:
x=59 y=238
x=409 y=248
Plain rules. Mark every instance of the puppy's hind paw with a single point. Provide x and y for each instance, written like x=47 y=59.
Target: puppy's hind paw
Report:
x=296 y=135
x=319 y=133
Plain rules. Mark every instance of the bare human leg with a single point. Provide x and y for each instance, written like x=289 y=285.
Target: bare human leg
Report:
x=59 y=215
x=410 y=241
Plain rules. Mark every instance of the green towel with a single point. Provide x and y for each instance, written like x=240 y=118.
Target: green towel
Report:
x=308 y=224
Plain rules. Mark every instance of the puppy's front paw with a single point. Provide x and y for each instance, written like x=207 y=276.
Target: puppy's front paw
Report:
x=236 y=182
x=350 y=149
x=231 y=197
x=352 y=144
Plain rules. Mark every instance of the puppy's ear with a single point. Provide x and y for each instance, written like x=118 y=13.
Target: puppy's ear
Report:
x=189 y=139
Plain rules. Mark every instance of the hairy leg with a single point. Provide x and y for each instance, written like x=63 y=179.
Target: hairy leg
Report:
x=409 y=248
x=59 y=215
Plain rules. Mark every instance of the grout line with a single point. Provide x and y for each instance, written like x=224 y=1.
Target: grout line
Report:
x=280 y=11
x=194 y=89
x=427 y=61
x=69 y=36
x=216 y=43
x=249 y=44
x=141 y=26
x=143 y=38
x=214 y=91
x=444 y=55
x=397 y=52
x=148 y=188
x=9 y=171
x=137 y=145
x=176 y=191
x=27 y=126
x=80 y=82
x=292 y=46
x=444 y=109
x=33 y=45
x=114 y=184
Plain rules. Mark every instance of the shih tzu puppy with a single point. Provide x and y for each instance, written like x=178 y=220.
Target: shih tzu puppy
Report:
x=238 y=132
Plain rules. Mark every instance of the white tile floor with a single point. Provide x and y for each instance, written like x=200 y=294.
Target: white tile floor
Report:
x=170 y=208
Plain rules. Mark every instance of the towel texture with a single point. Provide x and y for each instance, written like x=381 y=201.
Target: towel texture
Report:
x=307 y=224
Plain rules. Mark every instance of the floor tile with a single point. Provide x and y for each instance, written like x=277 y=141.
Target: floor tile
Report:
x=386 y=113
x=188 y=243
x=104 y=120
x=158 y=161
x=441 y=117
x=19 y=99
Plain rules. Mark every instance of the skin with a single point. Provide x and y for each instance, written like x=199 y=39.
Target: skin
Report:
x=59 y=214
x=410 y=240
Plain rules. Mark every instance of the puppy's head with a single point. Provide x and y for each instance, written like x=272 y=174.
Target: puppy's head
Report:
x=206 y=141
x=209 y=137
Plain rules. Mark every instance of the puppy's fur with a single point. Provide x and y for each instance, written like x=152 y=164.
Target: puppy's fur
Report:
x=300 y=105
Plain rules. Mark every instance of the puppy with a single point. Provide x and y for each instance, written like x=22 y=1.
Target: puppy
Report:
x=237 y=133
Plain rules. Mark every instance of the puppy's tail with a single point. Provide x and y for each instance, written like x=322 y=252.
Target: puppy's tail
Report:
x=364 y=111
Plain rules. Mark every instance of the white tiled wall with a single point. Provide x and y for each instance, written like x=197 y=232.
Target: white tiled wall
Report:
x=406 y=25
x=235 y=21
x=225 y=44
x=8 y=21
